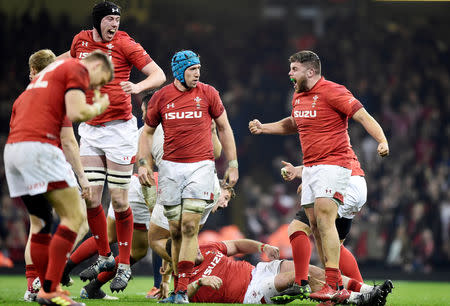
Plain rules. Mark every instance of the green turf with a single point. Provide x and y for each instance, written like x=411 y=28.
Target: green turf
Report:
x=12 y=288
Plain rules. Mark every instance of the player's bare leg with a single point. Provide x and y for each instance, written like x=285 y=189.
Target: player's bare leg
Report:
x=157 y=238
x=325 y=211
x=175 y=234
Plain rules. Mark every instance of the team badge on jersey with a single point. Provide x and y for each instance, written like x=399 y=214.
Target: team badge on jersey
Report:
x=315 y=100
x=197 y=101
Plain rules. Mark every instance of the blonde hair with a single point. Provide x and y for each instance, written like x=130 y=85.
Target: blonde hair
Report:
x=41 y=59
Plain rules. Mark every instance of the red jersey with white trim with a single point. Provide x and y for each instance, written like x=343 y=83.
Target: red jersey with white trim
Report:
x=186 y=121
x=322 y=116
x=39 y=112
x=235 y=275
x=124 y=53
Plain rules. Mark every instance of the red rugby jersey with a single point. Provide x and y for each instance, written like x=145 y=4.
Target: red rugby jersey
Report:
x=321 y=115
x=124 y=53
x=186 y=121
x=40 y=111
x=235 y=275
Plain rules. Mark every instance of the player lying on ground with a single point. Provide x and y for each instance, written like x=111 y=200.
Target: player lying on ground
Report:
x=218 y=278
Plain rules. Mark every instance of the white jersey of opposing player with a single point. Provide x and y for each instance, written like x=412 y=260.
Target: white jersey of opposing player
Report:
x=158 y=145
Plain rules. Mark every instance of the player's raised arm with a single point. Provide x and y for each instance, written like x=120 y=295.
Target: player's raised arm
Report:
x=374 y=129
x=285 y=126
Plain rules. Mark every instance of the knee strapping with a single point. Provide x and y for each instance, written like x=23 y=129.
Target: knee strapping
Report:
x=194 y=206
x=95 y=175
x=172 y=213
x=149 y=194
x=119 y=179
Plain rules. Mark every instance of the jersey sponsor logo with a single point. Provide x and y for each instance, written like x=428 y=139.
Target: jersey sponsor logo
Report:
x=84 y=54
x=183 y=115
x=213 y=264
x=305 y=114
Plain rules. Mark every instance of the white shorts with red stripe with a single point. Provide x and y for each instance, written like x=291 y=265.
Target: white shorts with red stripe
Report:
x=117 y=140
x=33 y=167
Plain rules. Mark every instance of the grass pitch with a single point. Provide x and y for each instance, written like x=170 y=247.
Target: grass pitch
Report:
x=12 y=288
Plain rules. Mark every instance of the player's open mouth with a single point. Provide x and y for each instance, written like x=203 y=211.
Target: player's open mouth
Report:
x=111 y=32
x=294 y=82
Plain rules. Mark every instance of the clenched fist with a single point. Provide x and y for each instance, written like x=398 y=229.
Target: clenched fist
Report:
x=255 y=127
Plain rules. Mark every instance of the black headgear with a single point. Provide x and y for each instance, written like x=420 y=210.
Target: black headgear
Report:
x=101 y=10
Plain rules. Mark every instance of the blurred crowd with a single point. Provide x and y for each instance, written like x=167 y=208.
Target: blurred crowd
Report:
x=400 y=73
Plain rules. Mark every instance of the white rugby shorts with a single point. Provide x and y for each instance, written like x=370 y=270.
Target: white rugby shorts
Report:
x=159 y=219
x=31 y=167
x=177 y=181
x=262 y=285
x=355 y=197
x=117 y=140
x=141 y=214
x=324 y=181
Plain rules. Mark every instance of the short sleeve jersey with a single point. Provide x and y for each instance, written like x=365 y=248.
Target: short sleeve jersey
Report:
x=321 y=115
x=235 y=275
x=40 y=111
x=124 y=53
x=186 y=120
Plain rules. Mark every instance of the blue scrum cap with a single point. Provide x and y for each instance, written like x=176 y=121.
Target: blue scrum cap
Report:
x=181 y=61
